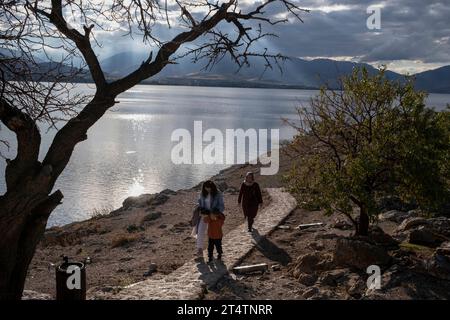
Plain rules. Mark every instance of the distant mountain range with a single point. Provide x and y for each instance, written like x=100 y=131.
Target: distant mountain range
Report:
x=297 y=73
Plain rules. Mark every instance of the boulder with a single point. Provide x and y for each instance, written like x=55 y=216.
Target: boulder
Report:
x=426 y=236
x=33 y=295
x=438 y=266
x=444 y=249
x=359 y=254
x=395 y=216
x=138 y=202
x=379 y=237
x=232 y=190
x=333 y=278
x=159 y=199
x=416 y=213
x=311 y=263
x=441 y=225
x=411 y=223
x=306 y=263
x=151 y=269
x=342 y=225
x=307 y=279
x=221 y=185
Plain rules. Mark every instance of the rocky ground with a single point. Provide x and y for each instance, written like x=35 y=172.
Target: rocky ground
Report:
x=147 y=232
x=152 y=233
x=325 y=262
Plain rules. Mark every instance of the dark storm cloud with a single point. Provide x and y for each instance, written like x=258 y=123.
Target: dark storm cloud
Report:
x=410 y=30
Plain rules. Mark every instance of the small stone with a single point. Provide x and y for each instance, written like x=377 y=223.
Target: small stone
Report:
x=332 y=278
x=356 y=286
x=342 y=225
x=307 y=263
x=232 y=190
x=33 y=295
x=133 y=228
x=310 y=292
x=152 y=269
x=275 y=267
x=444 y=249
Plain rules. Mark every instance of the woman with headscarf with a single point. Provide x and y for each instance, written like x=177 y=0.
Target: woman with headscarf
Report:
x=251 y=198
x=210 y=201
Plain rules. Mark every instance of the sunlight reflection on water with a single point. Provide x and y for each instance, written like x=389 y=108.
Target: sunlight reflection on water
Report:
x=128 y=152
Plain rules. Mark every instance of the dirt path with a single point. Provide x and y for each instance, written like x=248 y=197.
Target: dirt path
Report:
x=190 y=280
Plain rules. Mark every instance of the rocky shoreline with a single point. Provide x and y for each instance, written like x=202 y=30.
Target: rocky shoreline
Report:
x=326 y=262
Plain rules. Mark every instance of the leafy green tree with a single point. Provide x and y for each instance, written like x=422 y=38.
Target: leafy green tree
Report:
x=372 y=138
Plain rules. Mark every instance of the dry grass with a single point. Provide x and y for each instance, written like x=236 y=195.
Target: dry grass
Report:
x=101 y=212
x=121 y=240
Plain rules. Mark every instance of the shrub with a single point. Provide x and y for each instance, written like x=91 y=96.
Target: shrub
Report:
x=371 y=139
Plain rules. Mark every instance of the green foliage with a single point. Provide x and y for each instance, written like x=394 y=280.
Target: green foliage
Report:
x=373 y=138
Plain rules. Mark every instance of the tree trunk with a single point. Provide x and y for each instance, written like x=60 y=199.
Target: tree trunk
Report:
x=363 y=225
x=28 y=202
x=22 y=224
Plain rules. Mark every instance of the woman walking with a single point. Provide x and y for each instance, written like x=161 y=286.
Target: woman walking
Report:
x=251 y=198
x=210 y=201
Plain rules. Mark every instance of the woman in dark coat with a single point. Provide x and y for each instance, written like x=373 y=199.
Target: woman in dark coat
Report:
x=251 y=198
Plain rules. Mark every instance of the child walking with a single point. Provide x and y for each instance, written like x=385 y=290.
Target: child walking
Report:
x=215 y=222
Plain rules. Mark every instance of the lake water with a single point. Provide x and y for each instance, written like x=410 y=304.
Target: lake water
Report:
x=128 y=152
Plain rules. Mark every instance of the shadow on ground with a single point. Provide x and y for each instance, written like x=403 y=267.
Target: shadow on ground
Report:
x=270 y=250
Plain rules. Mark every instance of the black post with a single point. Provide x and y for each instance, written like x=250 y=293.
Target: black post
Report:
x=70 y=281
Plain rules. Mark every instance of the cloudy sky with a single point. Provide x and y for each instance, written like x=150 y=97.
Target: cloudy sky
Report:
x=414 y=34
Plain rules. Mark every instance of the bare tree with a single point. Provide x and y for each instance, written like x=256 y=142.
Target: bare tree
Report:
x=207 y=29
